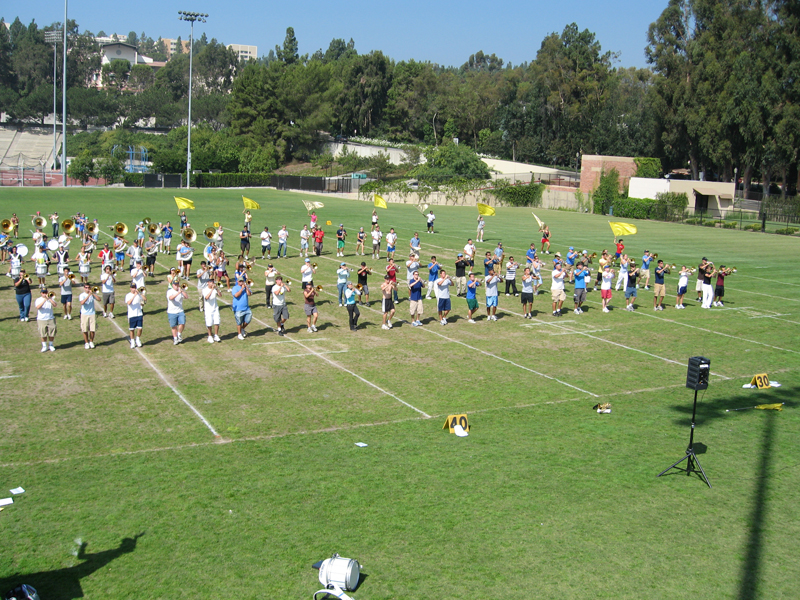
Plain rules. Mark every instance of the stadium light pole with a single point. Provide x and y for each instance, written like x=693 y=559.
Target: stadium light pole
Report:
x=191 y=17
x=64 y=106
x=53 y=37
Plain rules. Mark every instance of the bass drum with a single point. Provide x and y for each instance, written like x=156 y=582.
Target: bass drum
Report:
x=341 y=572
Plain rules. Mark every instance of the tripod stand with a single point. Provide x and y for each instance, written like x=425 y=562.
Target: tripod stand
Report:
x=691 y=457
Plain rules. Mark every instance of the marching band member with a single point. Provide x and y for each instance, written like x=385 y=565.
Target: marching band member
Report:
x=461 y=274
x=247 y=218
x=604 y=260
x=536 y=271
x=511 y=276
x=557 y=288
x=430 y=218
x=211 y=311
x=433 y=276
x=391 y=244
x=491 y=282
x=341 y=235
x=15 y=263
x=622 y=278
x=106 y=256
x=221 y=269
x=240 y=299
x=363 y=272
x=570 y=259
x=39 y=258
x=305 y=234
x=62 y=258
x=719 y=290
x=219 y=237
x=683 y=284
x=481 y=227
x=699 y=283
x=54 y=221
x=527 y=293
x=307 y=273
x=134 y=253
x=107 y=280
x=415 y=285
x=313 y=222
x=135 y=300
x=630 y=291
x=160 y=238
x=310 y=306
x=150 y=252
x=360 y=237
x=580 y=272
x=185 y=253
x=442 y=292
x=645 y=268
x=353 y=314
x=15 y=224
x=167 y=232
x=374 y=219
x=45 y=319
x=244 y=241
x=342 y=275
x=472 y=296
x=283 y=241
x=377 y=235
x=271 y=275
x=266 y=244
x=204 y=276
x=279 y=311
x=119 y=251
x=545 y=237
x=708 y=292
x=415 y=244
x=175 y=314
x=88 y=315
x=388 y=288
x=391 y=270
x=605 y=287
x=137 y=274
x=22 y=287
x=65 y=283
x=319 y=235
x=659 y=290
x=172 y=275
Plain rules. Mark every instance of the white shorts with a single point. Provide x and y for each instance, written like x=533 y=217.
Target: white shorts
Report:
x=212 y=316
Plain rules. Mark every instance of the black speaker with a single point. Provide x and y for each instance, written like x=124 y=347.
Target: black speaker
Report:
x=697 y=375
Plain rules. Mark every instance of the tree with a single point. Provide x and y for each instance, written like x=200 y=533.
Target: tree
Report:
x=367 y=79
x=289 y=53
x=111 y=169
x=81 y=168
x=178 y=46
x=114 y=75
x=132 y=39
x=92 y=107
x=380 y=165
x=452 y=161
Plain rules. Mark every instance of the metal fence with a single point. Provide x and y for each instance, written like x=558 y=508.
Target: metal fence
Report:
x=330 y=185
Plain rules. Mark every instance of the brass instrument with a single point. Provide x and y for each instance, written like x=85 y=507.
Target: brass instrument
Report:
x=654 y=256
x=71 y=277
x=184 y=286
x=189 y=235
x=95 y=289
x=314 y=265
x=287 y=281
x=154 y=229
x=91 y=228
x=142 y=290
x=119 y=228
x=51 y=294
x=68 y=226
x=146 y=222
x=6 y=225
x=249 y=283
x=319 y=288
x=39 y=222
x=359 y=287
x=210 y=233
x=248 y=265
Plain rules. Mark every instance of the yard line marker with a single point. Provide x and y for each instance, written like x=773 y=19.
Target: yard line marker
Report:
x=8 y=376
x=306 y=354
x=285 y=342
x=770 y=280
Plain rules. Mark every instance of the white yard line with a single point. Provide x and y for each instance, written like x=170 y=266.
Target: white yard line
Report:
x=306 y=354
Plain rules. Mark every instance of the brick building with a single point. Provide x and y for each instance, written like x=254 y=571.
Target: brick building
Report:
x=593 y=165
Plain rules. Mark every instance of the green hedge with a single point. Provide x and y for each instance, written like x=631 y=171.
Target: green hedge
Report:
x=219 y=180
x=133 y=179
x=648 y=167
x=528 y=194
x=666 y=207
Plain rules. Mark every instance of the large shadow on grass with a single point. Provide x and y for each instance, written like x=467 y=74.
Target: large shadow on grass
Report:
x=752 y=567
x=65 y=584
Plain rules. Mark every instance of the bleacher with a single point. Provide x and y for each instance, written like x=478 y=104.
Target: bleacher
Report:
x=7 y=136
x=34 y=146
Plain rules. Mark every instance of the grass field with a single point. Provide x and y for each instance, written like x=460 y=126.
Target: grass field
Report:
x=130 y=494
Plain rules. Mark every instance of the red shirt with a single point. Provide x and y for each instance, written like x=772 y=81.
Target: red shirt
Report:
x=391 y=271
x=620 y=248
x=318 y=235
x=720 y=279
x=104 y=255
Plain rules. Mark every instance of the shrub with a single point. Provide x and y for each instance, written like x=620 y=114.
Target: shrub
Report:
x=752 y=227
x=525 y=194
x=133 y=179
x=607 y=192
x=218 y=180
x=648 y=167
x=787 y=230
x=730 y=224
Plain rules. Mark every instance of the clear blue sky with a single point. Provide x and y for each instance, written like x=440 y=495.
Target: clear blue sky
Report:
x=440 y=32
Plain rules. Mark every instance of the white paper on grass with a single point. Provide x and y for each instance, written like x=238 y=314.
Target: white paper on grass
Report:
x=361 y=444
x=6 y=501
x=459 y=431
x=17 y=490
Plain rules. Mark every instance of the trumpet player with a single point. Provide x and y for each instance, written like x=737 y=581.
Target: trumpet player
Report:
x=137 y=274
x=659 y=289
x=266 y=244
x=342 y=275
x=280 y=313
x=22 y=288
x=271 y=275
x=45 y=318
x=683 y=284
x=580 y=274
x=443 y=304
x=491 y=282
x=307 y=273
x=415 y=286
x=167 y=233
x=211 y=311
x=526 y=297
x=204 y=276
x=353 y=314
x=433 y=276
x=645 y=268
x=605 y=286
x=305 y=234
x=719 y=289
x=363 y=272
x=310 y=306
x=107 y=280
x=630 y=291
x=135 y=300
x=175 y=313
x=388 y=288
x=473 y=283
x=709 y=271
x=244 y=240
x=88 y=315
x=65 y=283
x=240 y=299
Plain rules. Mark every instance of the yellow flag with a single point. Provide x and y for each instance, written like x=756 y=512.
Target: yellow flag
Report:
x=184 y=203
x=622 y=228
x=770 y=406
x=538 y=220
x=380 y=202
x=250 y=204
x=312 y=205
x=485 y=210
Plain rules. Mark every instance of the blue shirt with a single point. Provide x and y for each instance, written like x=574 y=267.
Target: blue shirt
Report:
x=433 y=270
x=571 y=256
x=415 y=242
x=646 y=262
x=415 y=289
x=472 y=288
x=659 y=276
x=580 y=282
x=241 y=303
x=498 y=252
x=488 y=266
x=531 y=254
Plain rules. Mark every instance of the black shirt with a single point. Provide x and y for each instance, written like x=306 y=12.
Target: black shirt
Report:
x=23 y=288
x=461 y=268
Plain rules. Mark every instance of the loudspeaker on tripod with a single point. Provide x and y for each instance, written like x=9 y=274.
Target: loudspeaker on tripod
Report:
x=697 y=375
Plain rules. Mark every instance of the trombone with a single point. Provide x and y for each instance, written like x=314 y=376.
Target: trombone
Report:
x=313 y=265
x=249 y=283
x=359 y=287
x=142 y=290
x=51 y=294
x=184 y=286
x=95 y=289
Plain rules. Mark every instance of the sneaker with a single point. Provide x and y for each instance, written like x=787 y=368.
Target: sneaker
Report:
x=216 y=338
x=721 y=304
x=133 y=345
x=69 y=317
x=138 y=342
x=86 y=346
x=240 y=336
x=111 y=315
x=91 y=345
x=314 y=328
x=555 y=314
x=384 y=326
x=389 y=323
x=340 y=305
x=105 y=315
x=64 y=317
x=576 y=311
x=606 y=310
x=414 y=324
x=655 y=308
x=52 y=348
x=175 y=341
x=180 y=337
x=508 y=294
x=471 y=321
x=280 y=332
x=310 y=330
x=647 y=287
x=44 y=348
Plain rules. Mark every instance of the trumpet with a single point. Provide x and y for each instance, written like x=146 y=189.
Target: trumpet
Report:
x=184 y=286
x=249 y=282
x=142 y=290
x=72 y=277
x=51 y=294
x=248 y=266
x=319 y=288
x=359 y=287
x=95 y=289
x=654 y=256
x=38 y=222
x=313 y=265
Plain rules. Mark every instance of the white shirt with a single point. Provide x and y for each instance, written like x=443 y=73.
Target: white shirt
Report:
x=304 y=235
x=608 y=277
x=558 y=280
x=107 y=279
x=137 y=277
x=66 y=285
x=431 y=217
x=135 y=306
x=527 y=284
x=391 y=239
x=342 y=275
x=203 y=277
x=469 y=251
x=376 y=237
x=442 y=290
x=283 y=235
x=278 y=298
x=307 y=273
x=210 y=300
x=266 y=238
x=270 y=274
x=44 y=309
x=683 y=280
x=411 y=266
x=491 y=285
x=87 y=308
x=174 y=301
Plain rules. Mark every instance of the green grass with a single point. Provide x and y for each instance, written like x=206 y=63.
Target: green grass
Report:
x=545 y=498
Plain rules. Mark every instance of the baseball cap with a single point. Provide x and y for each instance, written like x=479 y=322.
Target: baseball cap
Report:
x=133 y=285
x=460 y=254
x=308 y=260
x=343 y=265
x=559 y=253
x=572 y=247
